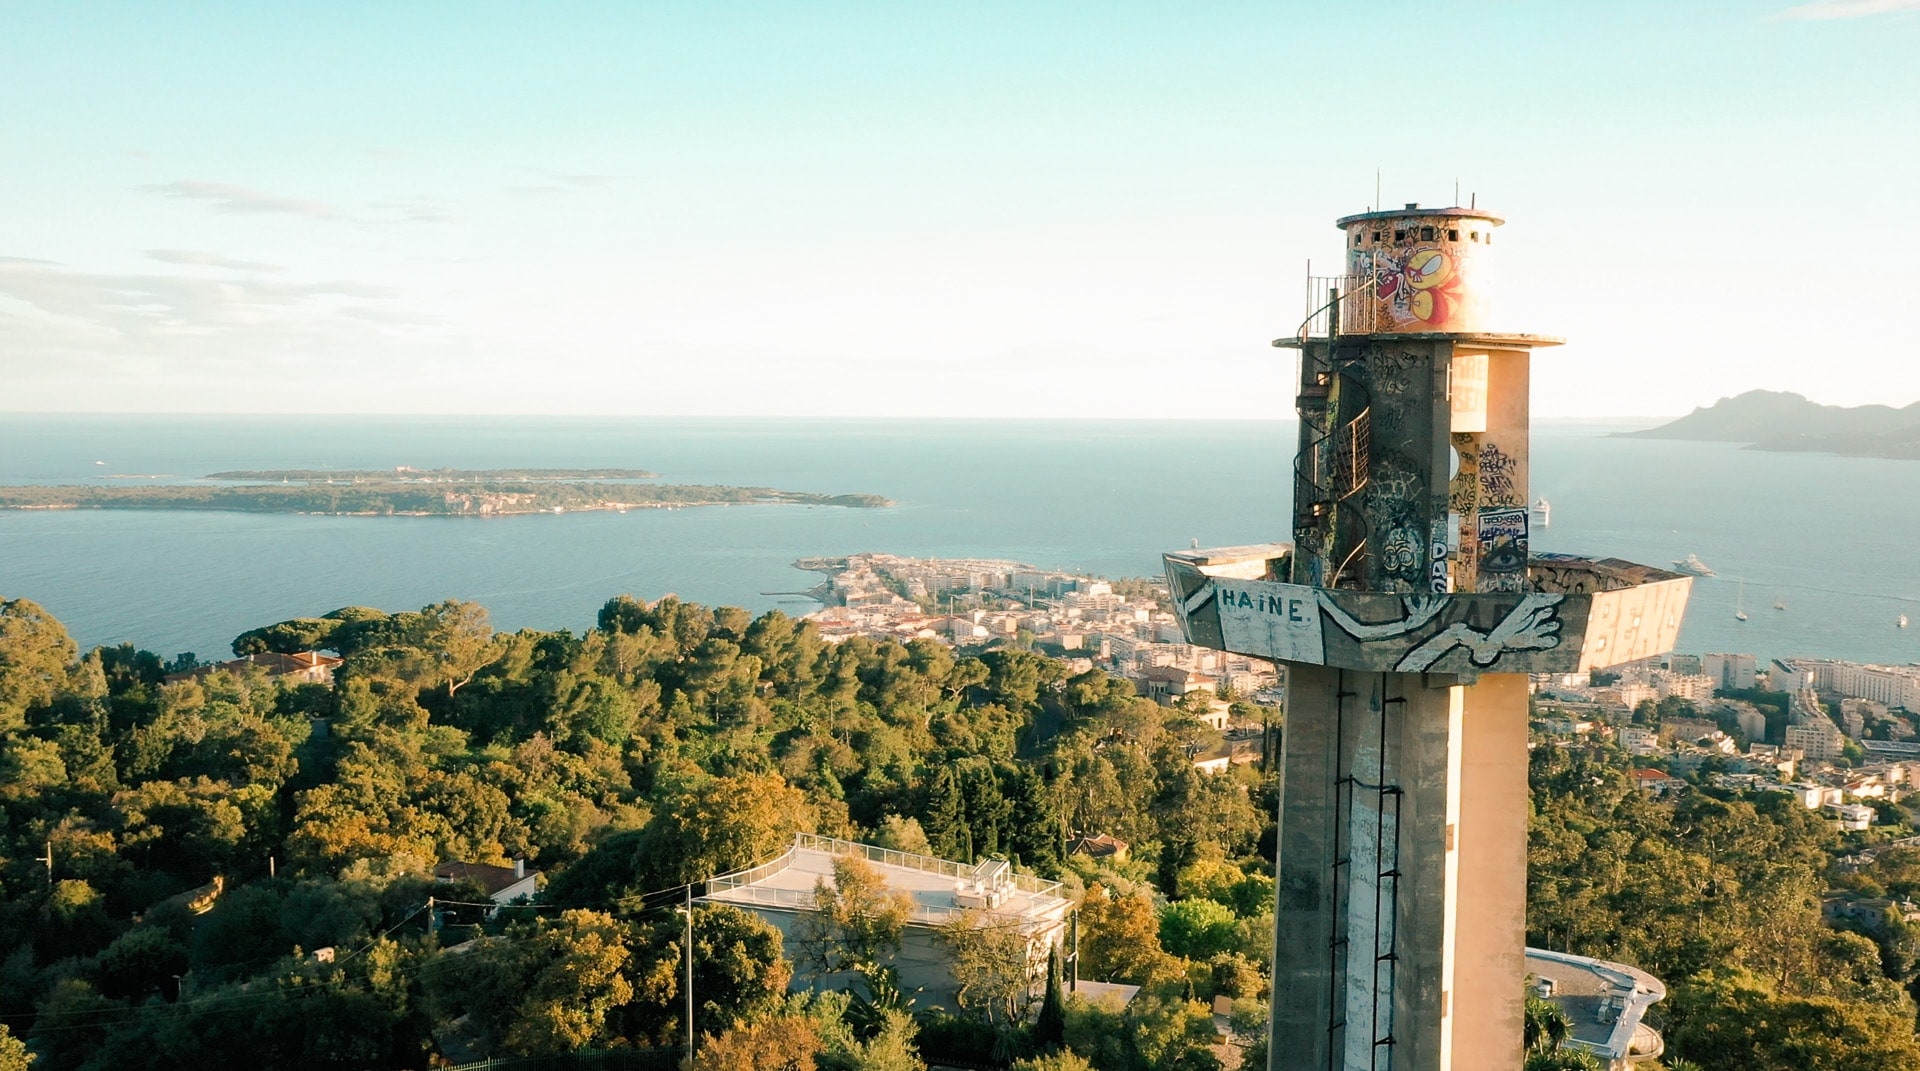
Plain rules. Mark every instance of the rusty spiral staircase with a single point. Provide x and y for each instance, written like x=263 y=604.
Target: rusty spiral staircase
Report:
x=1332 y=464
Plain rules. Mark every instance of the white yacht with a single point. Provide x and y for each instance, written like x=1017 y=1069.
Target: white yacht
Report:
x=1692 y=566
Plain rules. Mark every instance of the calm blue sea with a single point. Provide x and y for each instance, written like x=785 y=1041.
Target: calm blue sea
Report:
x=1833 y=537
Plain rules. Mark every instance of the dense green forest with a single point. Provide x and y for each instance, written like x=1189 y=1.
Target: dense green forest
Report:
x=233 y=871
x=670 y=743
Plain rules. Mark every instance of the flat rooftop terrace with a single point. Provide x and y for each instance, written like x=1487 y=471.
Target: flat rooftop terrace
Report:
x=940 y=888
x=1603 y=1002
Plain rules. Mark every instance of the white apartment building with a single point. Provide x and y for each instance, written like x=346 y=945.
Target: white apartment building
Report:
x=1818 y=739
x=1639 y=740
x=1896 y=686
x=1857 y=714
x=1632 y=695
x=1694 y=686
x=1730 y=670
x=1853 y=816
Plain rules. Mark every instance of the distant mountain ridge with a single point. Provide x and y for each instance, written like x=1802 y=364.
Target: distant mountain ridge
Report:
x=1785 y=421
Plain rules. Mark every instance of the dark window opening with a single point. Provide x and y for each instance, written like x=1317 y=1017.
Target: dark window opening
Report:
x=1453 y=235
x=1376 y=236
x=1426 y=234
x=1475 y=234
x=1399 y=236
x=1356 y=240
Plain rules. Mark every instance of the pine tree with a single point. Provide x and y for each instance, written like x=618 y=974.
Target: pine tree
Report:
x=1033 y=833
x=944 y=818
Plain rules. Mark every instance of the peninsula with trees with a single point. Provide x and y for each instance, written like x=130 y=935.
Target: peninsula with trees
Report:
x=418 y=492
x=1787 y=422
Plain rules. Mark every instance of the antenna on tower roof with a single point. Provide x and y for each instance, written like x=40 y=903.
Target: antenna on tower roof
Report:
x=1376 y=189
x=1456 y=193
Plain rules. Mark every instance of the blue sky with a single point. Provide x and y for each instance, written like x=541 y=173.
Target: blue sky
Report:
x=1045 y=209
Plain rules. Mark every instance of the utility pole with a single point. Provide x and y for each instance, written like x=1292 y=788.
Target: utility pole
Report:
x=1073 y=957
x=49 y=862
x=689 y=986
x=429 y=914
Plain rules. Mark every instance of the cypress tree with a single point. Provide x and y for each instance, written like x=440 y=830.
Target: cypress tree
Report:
x=1050 y=1027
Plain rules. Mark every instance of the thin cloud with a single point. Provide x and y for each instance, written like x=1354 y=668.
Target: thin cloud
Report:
x=1848 y=9
x=209 y=260
x=190 y=322
x=226 y=198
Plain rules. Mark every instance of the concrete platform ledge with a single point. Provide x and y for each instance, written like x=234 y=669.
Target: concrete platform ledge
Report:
x=1576 y=614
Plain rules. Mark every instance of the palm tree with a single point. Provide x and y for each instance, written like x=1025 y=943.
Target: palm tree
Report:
x=1546 y=1026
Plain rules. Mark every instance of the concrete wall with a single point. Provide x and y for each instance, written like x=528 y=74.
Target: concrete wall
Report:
x=1490 y=921
x=1433 y=271
x=1430 y=956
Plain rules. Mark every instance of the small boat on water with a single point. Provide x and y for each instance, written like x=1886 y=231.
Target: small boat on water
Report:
x=1902 y=623
x=1692 y=566
x=1543 y=512
x=1740 y=601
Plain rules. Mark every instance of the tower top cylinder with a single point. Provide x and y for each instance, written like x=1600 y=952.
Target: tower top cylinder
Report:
x=1418 y=270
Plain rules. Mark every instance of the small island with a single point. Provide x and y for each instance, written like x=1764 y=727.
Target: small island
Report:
x=419 y=493
x=406 y=474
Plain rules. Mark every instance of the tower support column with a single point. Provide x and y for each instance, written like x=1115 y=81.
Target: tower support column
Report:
x=1490 y=850
x=1402 y=872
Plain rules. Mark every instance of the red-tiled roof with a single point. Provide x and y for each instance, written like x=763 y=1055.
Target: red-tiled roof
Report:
x=274 y=663
x=491 y=878
x=1097 y=845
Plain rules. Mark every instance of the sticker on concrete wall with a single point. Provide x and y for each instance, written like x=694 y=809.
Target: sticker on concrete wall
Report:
x=1503 y=540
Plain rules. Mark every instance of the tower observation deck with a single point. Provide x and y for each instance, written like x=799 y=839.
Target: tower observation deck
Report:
x=1408 y=609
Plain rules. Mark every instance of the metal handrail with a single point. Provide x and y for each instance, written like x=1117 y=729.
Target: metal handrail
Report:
x=926 y=864
x=1334 y=292
x=804 y=900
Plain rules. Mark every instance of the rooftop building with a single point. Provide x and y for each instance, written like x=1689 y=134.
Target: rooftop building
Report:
x=1603 y=1002
x=308 y=667
x=782 y=889
x=502 y=884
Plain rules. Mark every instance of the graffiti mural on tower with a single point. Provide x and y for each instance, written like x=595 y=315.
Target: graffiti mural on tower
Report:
x=1419 y=286
x=1597 y=614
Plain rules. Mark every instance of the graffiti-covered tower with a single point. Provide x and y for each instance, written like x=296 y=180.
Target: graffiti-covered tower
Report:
x=1408 y=610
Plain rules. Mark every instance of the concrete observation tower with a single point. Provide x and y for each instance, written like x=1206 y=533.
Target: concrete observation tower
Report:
x=1408 y=610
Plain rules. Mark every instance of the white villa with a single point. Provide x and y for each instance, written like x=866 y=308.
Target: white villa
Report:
x=781 y=890
x=1604 y=1003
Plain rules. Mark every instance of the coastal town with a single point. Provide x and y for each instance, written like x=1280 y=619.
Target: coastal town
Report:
x=1123 y=628
x=1842 y=737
